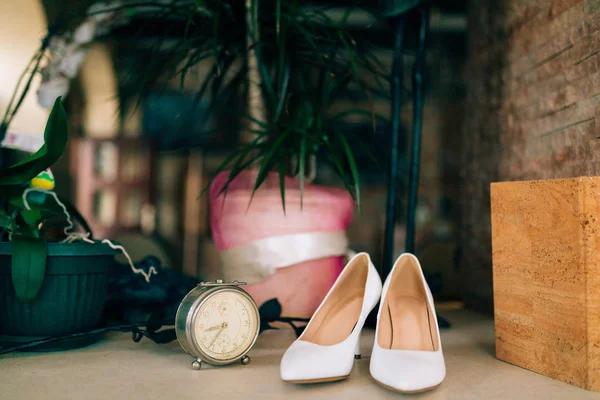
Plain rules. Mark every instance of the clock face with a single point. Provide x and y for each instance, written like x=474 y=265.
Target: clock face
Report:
x=226 y=325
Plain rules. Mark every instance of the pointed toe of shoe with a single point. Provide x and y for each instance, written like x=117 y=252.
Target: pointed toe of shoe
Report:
x=408 y=371
x=306 y=362
x=293 y=368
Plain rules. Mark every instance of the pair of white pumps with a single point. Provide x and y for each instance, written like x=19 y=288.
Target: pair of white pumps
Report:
x=407 y=352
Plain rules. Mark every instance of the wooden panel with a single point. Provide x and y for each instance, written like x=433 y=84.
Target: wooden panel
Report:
x=546 y=277
x=591 y=252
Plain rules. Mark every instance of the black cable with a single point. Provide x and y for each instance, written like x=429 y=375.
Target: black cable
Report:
x=269 y=312
x=52 y=339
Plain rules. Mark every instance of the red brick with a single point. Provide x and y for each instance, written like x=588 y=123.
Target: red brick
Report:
x=564 y=29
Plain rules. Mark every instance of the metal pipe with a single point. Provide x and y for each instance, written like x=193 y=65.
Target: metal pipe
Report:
x=396 y=94
x=415 y=157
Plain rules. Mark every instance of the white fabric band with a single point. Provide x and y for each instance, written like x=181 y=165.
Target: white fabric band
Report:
x=255 y=261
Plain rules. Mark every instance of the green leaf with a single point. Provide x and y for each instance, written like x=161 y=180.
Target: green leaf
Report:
x=216 y=19
x=206 y=83
x=236 y=170
x=238 y=155
x=184 y=49
x=351 y=53
x=28 y=266
x=307 y=35
x=265 y=77
x=32 y=218
x=258 y=122
x=353 y=169
x=301 y=167
x=218 y=81
x=344 y=19
x=266 y=163
x=278 y=20
x=337 y=164
x=283 y=91
x=282 y=184
x=55 y=141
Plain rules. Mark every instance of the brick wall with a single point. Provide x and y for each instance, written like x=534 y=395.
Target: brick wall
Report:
x=532 y=109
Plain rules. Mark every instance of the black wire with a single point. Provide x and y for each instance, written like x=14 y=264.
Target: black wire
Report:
x=136 y=333
x=134 y=328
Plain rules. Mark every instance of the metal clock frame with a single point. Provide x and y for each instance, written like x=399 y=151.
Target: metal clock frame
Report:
x=188 y=311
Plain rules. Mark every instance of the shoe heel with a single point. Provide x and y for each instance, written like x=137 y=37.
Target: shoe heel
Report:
x=357 y=355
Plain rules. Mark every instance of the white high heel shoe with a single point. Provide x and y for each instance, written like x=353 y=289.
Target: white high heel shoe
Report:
x=407 y=353
x=326 y=349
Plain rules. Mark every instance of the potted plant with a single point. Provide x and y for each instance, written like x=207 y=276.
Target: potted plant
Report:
x=47 y=286
x=290 y=63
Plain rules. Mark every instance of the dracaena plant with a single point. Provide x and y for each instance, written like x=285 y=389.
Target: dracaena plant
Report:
x=20 y=220
x=298 y=59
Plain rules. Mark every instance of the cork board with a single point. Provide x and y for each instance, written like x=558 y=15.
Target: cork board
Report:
x=546 y=277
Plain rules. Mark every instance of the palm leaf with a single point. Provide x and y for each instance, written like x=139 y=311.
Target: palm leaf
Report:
x=335 y=161
x=237 y=169
x=267 y=163
x=283 y=91
x=301 y=166
x=282 y=184
x=238 y=155
x=352 y=165
x=306 y=60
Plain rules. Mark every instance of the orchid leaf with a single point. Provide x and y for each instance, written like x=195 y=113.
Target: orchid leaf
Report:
x=28 y=266
x=55 y=141
x=31 y=218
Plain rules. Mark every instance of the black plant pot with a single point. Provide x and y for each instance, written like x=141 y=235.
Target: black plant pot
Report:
x=71 y=299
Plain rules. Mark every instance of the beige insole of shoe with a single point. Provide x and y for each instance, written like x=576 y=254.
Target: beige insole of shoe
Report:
x=408 y=325
x=337 y=319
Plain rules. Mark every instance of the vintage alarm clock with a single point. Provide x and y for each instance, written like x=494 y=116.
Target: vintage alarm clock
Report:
x=217 y=323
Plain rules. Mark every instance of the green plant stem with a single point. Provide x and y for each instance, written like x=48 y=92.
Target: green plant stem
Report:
x=27 y=86
x=11 y=111
x=5 y=119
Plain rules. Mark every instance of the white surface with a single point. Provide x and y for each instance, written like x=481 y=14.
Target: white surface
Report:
x=118 y=368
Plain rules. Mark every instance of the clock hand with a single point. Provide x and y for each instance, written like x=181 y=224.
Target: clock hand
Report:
x=223 y=326
x=213 y=328
x=216 y=337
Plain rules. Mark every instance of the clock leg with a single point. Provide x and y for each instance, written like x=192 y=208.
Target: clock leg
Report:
x=245 y=360
x=197 y=364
